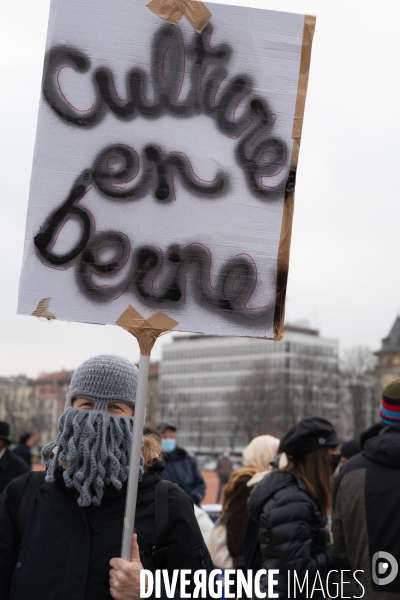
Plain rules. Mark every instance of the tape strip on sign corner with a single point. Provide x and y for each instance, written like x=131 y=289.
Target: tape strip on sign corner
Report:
x=287 y=218
x=146 y=331
x=42 y=310
x=172 y=11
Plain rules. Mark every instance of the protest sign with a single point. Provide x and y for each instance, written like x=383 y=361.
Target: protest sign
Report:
x=165 y=165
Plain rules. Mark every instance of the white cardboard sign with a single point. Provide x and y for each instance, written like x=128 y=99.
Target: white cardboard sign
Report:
x=164 y=166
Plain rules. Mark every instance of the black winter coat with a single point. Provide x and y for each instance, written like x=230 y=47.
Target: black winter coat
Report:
x=66 y=549
x=25 y=453
x=181 y=468
x=293 y=534
x=366 y=511
x=10 y=466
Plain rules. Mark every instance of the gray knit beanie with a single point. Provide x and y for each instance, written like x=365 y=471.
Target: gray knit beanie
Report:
x=93 y=447
x=105 y=378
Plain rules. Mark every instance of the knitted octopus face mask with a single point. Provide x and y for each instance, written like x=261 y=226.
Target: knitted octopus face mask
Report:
x=96 y=447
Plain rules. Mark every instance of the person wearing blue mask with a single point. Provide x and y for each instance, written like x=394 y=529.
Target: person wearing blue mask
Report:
x=180 y=465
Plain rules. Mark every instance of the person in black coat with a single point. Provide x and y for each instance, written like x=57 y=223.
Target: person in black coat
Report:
x=291 y=507
x=10 y=465
x=180 y=466
x=73 y=532
x=23 y=450
x=365 y=519
x=76 y=544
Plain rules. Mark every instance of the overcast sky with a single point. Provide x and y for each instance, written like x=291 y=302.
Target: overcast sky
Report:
x=344 y=270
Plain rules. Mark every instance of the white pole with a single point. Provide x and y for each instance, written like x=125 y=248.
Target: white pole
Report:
x=136 y=451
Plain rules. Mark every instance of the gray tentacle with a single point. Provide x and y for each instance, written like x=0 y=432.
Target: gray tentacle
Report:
x=96 y=447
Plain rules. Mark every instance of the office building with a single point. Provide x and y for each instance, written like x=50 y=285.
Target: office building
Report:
x=222 y=391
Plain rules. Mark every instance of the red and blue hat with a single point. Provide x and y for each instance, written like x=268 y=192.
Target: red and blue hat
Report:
x=390 y=403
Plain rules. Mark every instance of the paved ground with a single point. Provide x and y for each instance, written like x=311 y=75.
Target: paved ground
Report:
x=38 y=467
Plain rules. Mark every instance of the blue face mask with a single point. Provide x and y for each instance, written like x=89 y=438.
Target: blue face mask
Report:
x=168 y=445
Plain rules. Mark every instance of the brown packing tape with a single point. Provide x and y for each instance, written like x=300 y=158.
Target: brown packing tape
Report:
x=42 y=310
x=146 y=331
x=172 y=11
x=288 y=209
x=166 y=9
x=196 y=13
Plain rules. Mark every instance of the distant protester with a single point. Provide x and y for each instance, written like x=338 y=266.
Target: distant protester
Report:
x=23 y=450
x=180 y=465
x=256 y=458
x=365 y=522
x=291 y=506
x=223 y=470
x=10 y=465
x=61 y=531
x=150 y=430
x=348 y=450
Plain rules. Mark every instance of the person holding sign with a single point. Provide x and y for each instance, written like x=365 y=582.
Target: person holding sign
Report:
x=60 y=530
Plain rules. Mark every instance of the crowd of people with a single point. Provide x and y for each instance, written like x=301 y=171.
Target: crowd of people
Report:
x=311 y=503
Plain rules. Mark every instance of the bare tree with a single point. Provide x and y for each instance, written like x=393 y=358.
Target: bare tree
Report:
x=24 y=411
x=315 y=386
x=360 y=387
x=275 y=396
x=7 y=399
x=255 y=404
x=152 y=404
x=247 y=406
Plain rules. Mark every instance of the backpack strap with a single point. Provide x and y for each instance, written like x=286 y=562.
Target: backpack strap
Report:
x=27 y=501
x=159 y=550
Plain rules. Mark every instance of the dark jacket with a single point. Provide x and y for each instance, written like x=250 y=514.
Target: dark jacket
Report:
x=66 y=550
x=10 y=466
x=25 y=453
x=224 y=468
x=293 y=534
x=251 y=546
x=366 y=510
x=236 y=519
x=181 y=468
